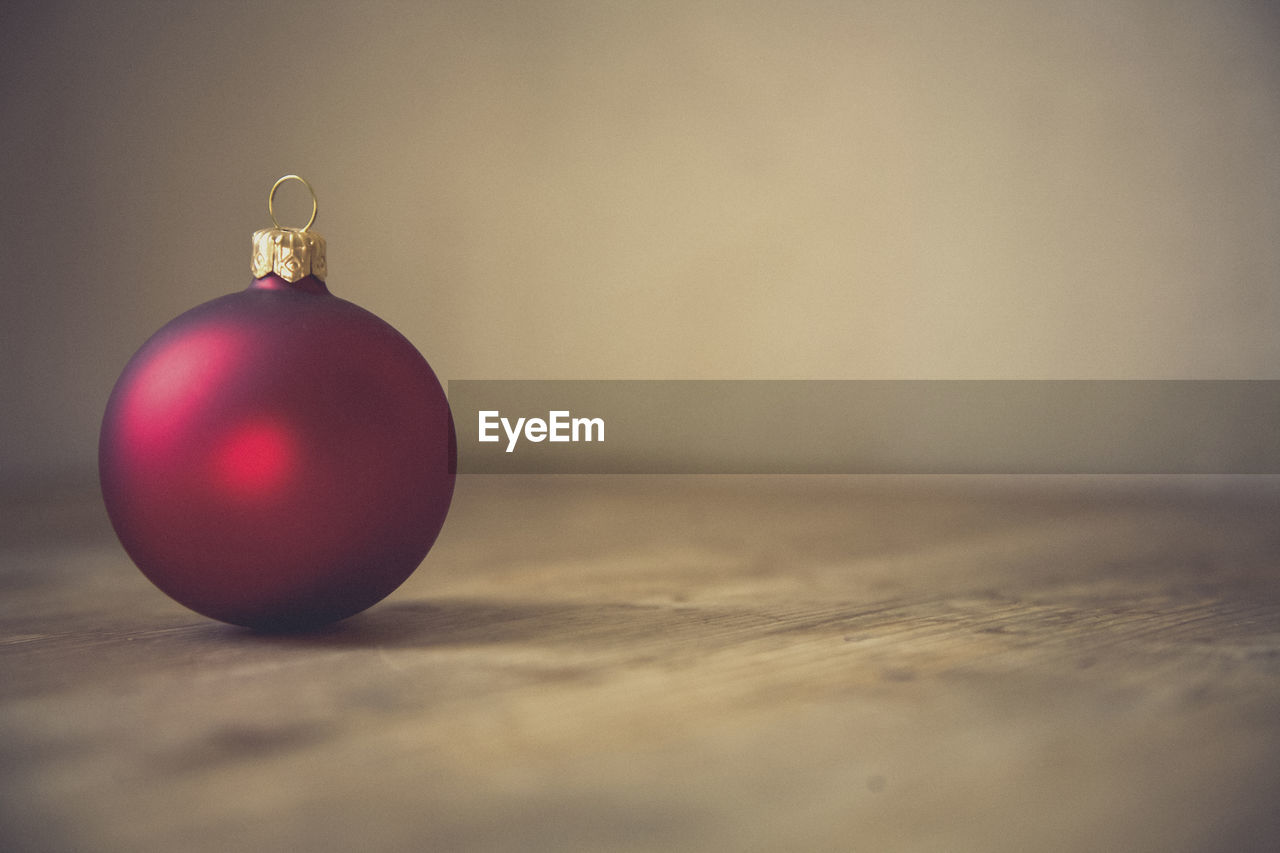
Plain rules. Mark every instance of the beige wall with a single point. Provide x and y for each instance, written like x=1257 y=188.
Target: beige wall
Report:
x=651 y=190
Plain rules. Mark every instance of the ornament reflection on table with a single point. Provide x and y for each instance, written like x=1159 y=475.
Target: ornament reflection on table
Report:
x=278 y=457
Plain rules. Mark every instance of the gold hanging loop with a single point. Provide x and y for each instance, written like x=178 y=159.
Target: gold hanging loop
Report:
x=271 y=198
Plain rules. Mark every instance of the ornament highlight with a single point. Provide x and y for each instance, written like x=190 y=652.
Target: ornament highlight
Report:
x=278 y=457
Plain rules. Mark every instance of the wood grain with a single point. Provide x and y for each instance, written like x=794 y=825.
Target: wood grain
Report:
x=678 y=663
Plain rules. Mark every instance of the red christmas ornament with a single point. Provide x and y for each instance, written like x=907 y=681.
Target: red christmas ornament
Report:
x=278 y=457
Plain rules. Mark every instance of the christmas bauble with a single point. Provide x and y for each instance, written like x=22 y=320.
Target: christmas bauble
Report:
x=278 y=457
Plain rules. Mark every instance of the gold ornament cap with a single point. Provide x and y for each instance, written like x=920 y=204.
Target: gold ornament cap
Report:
x=291 y=253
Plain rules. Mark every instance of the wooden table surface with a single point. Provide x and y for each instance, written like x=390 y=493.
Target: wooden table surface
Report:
x=690 y=664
